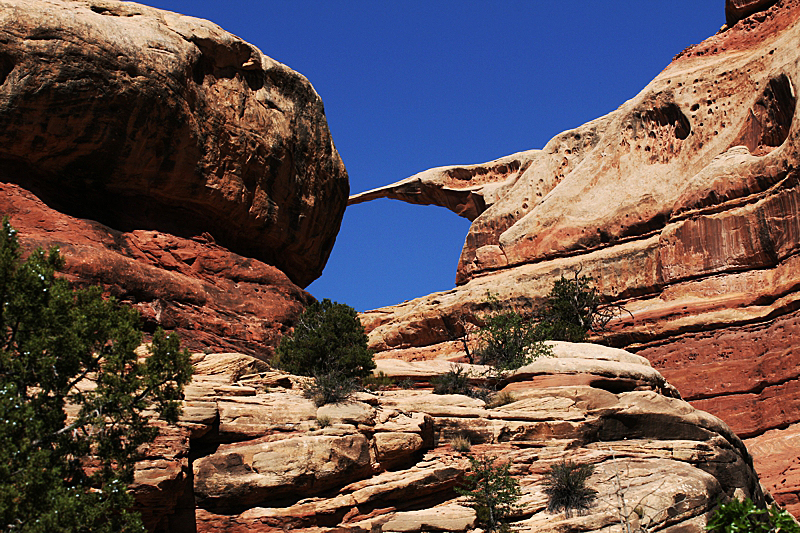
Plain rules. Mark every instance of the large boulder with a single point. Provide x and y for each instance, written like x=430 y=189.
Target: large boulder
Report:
x=681 y=204
x=144 y=119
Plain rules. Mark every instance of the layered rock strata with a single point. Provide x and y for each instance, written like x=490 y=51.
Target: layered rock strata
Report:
x=143 y=119
x=682 y=204
x=264 y=458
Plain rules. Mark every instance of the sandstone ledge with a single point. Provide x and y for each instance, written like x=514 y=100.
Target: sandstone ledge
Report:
x=271 y=461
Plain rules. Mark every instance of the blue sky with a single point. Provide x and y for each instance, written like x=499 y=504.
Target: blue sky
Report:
x=413 y=85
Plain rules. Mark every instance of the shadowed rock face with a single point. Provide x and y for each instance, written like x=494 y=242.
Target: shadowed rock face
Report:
x=144 y=119
x=261 y=461
x=682 y=204
x=210 y=296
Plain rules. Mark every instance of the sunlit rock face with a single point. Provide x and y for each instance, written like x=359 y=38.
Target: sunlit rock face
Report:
x=682 y=204
x=144 y=119
x=264 y=458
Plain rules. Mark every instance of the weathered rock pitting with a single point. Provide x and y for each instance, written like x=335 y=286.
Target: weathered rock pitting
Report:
x=144 y=119
x=682 y=205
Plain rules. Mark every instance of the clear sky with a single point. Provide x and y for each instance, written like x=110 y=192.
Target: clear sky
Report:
x=418 y=84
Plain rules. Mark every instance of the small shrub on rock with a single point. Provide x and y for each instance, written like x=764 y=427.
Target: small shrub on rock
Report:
x=330 y=387
x=378 y=382
x=573 y=308
x=565 y=486
x=740 y=516
x=501 y=398
x=329 y=344
x=507 y=340
x=491 y=491
x=461 y=443
x=454 y=381
x=328 y=337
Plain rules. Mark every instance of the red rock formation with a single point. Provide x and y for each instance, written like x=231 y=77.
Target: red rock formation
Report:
x=145 y=119
x=212 y=297
x=682 y=204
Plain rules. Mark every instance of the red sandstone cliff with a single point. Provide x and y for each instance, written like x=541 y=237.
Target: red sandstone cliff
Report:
x=682 y=204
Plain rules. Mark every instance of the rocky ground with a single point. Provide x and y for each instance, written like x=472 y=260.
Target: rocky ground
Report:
x=255 y=455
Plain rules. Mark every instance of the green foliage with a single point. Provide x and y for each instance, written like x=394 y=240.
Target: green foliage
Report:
x=328 y=338
x=492 y=492
x=331 y=387
x=565 y=486
x=744 y=517
x=378 y=382
x=454 y=381
x=508 y=340
x=572 y=309
x=61 y=347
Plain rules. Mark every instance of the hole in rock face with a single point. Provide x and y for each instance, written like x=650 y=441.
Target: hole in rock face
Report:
x=7 y=64
x=770 y=118
x=669 y=115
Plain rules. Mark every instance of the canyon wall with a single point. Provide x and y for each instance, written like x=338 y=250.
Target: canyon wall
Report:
x=682 y=204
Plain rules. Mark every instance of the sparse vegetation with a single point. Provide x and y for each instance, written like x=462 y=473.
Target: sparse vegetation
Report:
x=378 y=382
x=323 y=421
x=328 y=337
x=406 y=383
x=501 y=398
x=62 y=347
x=329 y=344
x=507 y=340
x=565 y=486
x=461 y=443
x=454 y=381
x=572 y=309
x=330 y=387
x=738 y=516
x=491 y=491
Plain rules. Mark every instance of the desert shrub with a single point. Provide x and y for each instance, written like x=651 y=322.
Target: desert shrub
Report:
x=461 y=443
x=456 y=381
x=407 y=383
x=377 y=382
x=572 y=309
x=565 y=486
x=327 y=337
x=501 y=398
x=743 y=516
x=323 y=421
x=330 y=387
x=507 y=340
x=491 y=491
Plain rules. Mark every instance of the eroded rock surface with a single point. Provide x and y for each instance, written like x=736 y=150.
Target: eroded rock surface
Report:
x=681 y=204
x=144 y=119
x=210 y=296
x=384 y=461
